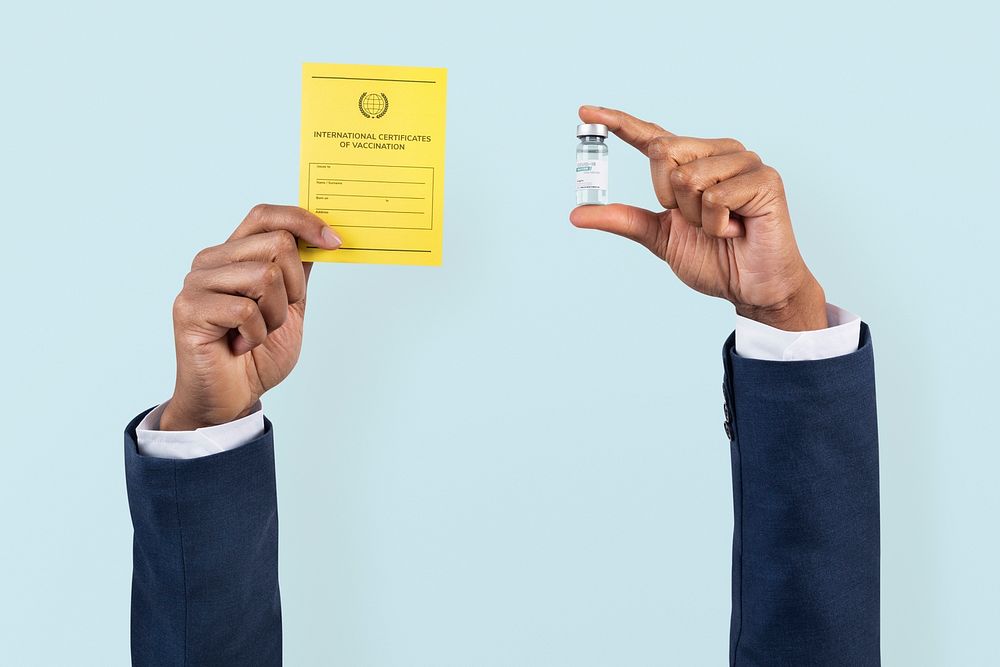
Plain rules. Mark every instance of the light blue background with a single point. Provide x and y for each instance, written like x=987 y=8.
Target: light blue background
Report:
x=516 y=458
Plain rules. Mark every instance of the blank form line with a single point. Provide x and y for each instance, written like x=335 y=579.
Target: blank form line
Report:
x=362 y=78
x=312 y=247
x=365 y=210
x=333 y=194
x=361 y=180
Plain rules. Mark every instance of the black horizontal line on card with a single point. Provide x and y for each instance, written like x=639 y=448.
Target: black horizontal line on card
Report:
x=312 y=247
x=362 y=78
x=365 y=210
x=337 y=194
x=361 y=180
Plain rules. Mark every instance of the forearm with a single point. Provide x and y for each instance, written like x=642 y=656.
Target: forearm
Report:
x=805 y=480
x=205 y=580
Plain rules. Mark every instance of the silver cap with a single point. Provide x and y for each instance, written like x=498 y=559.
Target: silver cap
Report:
x=592 y=130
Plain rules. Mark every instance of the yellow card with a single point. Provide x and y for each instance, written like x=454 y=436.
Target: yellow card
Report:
x=372 y=161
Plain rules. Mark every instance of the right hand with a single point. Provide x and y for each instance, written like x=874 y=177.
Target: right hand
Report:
x=238 y=319
x=725 y=231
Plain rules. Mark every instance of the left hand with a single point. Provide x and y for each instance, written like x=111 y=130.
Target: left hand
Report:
x=726 y=230
x=238 y=320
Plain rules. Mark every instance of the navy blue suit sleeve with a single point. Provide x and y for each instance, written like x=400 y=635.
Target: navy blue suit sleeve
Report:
x=804 y=445
x=205 y=556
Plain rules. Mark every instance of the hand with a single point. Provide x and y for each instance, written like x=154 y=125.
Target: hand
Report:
x=726 y=231
x=238 y=319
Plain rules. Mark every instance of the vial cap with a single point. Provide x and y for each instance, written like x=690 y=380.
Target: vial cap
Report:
x=591 y=130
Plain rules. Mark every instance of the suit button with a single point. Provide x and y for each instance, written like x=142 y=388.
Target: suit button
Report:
x=729 y=430
x=725 y=409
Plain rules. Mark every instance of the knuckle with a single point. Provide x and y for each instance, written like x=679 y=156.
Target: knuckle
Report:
x=284 y=243
x=682 y=177
x=259 y=211
x=632 y=224
x=245 y=310
x=735 y=145
x=182 y=308
x=271 y=273
x=753 y=157
x=661 y=147
x=713 y=199
x=201 y=258
x=772 y=176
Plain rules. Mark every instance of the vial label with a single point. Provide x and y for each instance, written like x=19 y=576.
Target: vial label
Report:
x=592 y=174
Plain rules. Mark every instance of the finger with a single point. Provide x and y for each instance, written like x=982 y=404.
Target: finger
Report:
x=638 y=133
x=299 y=222
x=222 y=314
x=278 y=247
x=664 y=149
x=742 y=195
x=634 y=223
x=260 y=281
x=667 y=153
x=688 y=181
x=718 y=221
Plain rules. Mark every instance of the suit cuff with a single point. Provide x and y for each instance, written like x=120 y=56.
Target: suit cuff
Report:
x=151 y=441
x=755 y=340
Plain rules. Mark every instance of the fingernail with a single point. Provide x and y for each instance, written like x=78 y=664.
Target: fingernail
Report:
x=591 y=107
x=330 y=238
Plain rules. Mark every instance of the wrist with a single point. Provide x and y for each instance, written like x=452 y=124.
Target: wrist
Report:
x=804 y=309
x=176 y=417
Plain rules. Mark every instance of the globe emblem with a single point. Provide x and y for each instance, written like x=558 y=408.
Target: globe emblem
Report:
x=373 y=105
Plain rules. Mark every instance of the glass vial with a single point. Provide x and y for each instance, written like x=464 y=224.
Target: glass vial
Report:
x=591 y=164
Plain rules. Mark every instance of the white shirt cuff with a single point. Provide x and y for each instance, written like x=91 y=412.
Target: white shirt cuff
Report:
x=755 y=340
x=202 y=442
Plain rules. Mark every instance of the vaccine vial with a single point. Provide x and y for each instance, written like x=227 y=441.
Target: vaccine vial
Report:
x=591 y=164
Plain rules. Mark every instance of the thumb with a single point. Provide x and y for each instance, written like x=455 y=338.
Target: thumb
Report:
x=632 y=222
